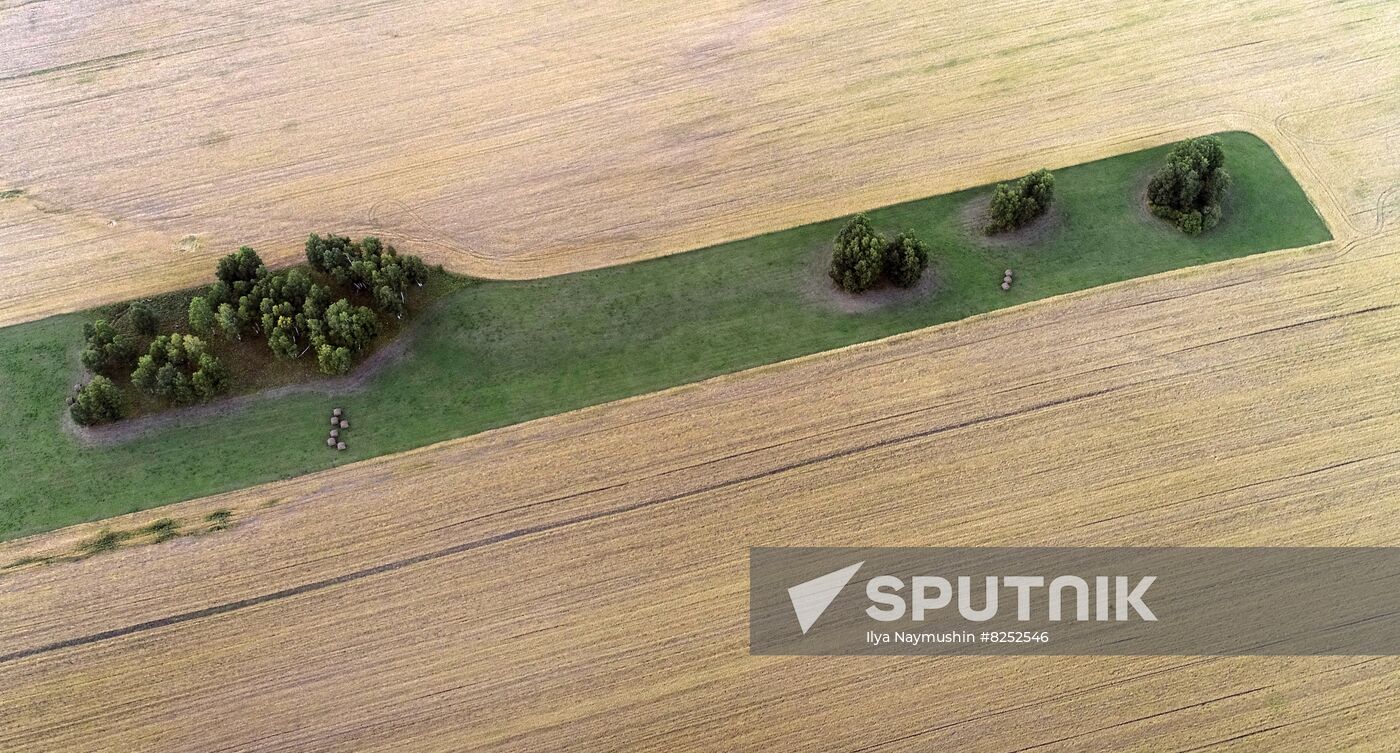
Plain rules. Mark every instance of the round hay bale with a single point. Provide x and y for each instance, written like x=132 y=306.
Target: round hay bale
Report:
x=1006 y=278
x=336 y=413
x=1007 y=273
x=344 y=424
x=334 y=420
x=1006 y=286
x=335 y=433
x=330 y=442
x=340 y=446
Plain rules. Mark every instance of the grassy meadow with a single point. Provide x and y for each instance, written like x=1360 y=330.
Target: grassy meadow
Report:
x=496 y=353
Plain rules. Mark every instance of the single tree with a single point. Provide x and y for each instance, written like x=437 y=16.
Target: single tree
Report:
x=1189 y=188
x=243 y=266
x=858 y=256
x=906 y=258
x=210 y=378
x=97 y=402
x=229 y=322
x=142 y=318
x=201 y=316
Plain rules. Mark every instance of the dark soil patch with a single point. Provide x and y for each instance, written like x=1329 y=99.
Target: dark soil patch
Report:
x=972 y=218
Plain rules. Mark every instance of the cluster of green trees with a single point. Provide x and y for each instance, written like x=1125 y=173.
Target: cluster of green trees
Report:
x=180 y=368
x=1190 y=187
x=106 y=350
x=1016 y=204
x=190 y=372
x=368 y=267
x=861 y=257
x=295 y=314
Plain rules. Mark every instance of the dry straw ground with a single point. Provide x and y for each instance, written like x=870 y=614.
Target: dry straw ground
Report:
x=579 y=583
x=513 y=139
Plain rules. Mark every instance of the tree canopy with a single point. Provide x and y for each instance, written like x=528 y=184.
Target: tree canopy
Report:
x=1016 y=204
x=906 y=258
x=106 y=350
x=858 y=258
x=180 y=368
x=1189 y=188
x=98 y=402
x=862 y=257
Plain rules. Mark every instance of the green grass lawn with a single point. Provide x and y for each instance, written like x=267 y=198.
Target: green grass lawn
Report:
x=497 y=353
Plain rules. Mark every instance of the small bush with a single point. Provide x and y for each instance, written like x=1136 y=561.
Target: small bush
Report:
x=1190 y=187
x=1016 y=204
x=105 y=541
x=219 y=519
x=98 y=402
x=163 y=529
x=858 y=258
x=906 y=258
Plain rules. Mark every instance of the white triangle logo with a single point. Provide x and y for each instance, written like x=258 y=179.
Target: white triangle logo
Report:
x=811 y=598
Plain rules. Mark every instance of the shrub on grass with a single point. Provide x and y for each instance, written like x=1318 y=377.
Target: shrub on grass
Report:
x=1016 y=204
x=1190 y=187
x=858 y=258
x=906 y=258
x=98 y=402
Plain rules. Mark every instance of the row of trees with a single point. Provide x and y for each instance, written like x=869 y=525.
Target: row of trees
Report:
x=1016 y=204
x=295 y=314
x=1189 y=188
x=862 y=257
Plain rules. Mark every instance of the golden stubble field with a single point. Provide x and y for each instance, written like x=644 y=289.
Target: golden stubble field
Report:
x=579 y=582
x=511 y=139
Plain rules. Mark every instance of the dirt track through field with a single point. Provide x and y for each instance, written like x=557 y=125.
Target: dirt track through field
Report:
x=580 y=582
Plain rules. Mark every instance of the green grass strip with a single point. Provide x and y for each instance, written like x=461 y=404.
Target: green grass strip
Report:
x=497 y=353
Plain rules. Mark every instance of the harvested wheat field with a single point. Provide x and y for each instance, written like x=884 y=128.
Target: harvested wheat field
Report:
x=514 y=140
x=580 y=582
